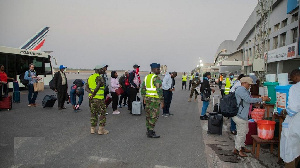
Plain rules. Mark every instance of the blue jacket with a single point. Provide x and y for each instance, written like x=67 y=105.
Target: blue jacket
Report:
x=242 y=93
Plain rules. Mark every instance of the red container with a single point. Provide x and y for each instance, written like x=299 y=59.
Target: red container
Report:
x=258 y=114
x=265 y=129
x=6 y=103
x=252 y=131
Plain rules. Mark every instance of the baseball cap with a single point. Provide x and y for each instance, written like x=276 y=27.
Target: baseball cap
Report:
x=136 y=66
x=62 y=67
x=246 y=79
x=104 y=65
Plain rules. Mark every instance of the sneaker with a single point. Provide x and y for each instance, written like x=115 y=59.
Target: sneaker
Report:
x=119 y=106
x=106 y=113
x=205 y=117
x=125 y=105
x=171 y=114
x=29 y=105
x=116 y=112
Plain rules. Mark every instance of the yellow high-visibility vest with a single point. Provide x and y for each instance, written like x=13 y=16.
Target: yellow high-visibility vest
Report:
x=184 y=78
x=191 y=77
x=93 y=84
x=228 y=85
x=150 y=88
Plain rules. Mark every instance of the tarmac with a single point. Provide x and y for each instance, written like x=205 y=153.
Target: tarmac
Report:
x=47 y=137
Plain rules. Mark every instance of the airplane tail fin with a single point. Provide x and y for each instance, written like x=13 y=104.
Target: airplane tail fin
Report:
x=37 y=41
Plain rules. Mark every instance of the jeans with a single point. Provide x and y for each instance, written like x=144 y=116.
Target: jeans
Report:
x=73 y=97
x=31 y=99
x=204 y=107
x=232 y=125
x=183 y=84
x=167 y=101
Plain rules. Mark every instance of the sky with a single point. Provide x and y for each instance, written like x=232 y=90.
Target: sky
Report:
x=122 y=33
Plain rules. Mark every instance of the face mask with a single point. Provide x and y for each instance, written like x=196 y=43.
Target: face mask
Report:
x=231 y=76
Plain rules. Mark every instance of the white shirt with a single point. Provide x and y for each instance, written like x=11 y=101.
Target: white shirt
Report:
x=235 y=86
x=290 y=135
x=167 y=82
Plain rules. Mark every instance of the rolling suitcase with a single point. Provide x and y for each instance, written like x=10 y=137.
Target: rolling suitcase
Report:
x=252 y=131
x=136 y=107
x=6 y=103
x=16 y=93
x=49 y=101
x=215 y=120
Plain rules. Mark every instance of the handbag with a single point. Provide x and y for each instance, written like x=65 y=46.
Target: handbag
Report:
x=38 y=87
x=119 y=91
x=205 y=96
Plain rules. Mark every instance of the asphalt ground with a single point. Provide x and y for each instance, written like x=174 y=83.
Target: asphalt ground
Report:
x=48 y=137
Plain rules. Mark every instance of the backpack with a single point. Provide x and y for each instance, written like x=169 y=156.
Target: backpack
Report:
x=23 y=80
x=229 y=106
x=78 y=82
x=51 y=85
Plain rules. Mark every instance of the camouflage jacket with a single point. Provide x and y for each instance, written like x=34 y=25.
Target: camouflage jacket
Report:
x=158 y=84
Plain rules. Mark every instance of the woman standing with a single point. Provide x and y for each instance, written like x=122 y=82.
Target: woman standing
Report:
x=205 y=94
x=114 y=83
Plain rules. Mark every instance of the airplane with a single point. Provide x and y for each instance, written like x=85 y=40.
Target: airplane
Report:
x=37 y=41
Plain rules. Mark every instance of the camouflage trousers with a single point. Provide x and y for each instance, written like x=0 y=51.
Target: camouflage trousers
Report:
x=152 y=112
x=192 y=92
x=98 y=107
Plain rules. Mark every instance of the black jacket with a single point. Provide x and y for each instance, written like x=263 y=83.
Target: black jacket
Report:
x=205 y=86
x=57 y=80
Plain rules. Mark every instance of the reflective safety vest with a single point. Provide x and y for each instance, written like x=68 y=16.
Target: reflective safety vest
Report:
x=191 y=77
x=93 y=84
x=228 y=85
x=184 y=78
x=150 y=88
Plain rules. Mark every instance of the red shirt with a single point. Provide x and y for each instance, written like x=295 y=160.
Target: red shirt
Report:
x=3 y=77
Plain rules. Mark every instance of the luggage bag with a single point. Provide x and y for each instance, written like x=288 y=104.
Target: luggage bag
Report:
x=136 y=107
x=6 y=103
x=252 y=131
x=16 y=97
x=107 y=101
x=49 y=101
x=215 y=120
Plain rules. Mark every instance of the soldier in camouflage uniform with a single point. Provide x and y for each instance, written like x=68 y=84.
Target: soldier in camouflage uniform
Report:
x=95 y=87
x=195 y=82
x=153 y=97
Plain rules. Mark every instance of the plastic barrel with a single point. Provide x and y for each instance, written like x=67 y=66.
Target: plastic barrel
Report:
x=271 y=91
x=258 y=114
x=265 y=129
x=282 y=95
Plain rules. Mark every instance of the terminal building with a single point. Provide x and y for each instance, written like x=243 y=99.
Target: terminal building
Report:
x=281 y=37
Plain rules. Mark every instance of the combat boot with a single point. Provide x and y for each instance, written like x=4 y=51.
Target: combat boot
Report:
x=102 y=131
x=151 y=134
x=93 y=130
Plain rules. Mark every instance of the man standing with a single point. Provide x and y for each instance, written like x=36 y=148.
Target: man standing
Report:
x=229 y=83
x=191 y=77
x=290 y=141
x=61 y=86
x=220 y=81
x=195 y=83
x=184 y=79
x=243 y=99
x=153 y=97
x=95 y=87
x=205 y=94
x=134 y=81
x=32 y=78
x=125 y=84
x=105 y=78
x=168 y=89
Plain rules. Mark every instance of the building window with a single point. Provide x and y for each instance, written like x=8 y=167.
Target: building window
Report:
x=275 y=42
x=276 y=27
x=282 y=39
x=294 y=17
x=283 y=23
x=268 y=45
x=269 y=31
x=294 y=34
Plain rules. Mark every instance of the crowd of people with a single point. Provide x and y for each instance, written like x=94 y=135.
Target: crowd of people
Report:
x=157 y=93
